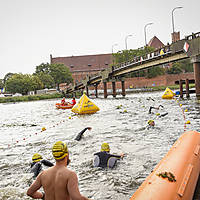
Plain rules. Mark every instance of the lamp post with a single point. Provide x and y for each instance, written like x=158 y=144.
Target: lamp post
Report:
x=173 y=16
x=112 y=53
x=113 y=46
x=145 y=34
x=126 y=40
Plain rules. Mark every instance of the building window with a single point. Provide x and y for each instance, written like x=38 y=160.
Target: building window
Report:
x=89 y=65
x=71 y=66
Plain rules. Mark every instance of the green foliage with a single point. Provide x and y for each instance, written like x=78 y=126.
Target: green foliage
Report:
x=20 y=83
x=141 y=73
x=44 y=68
x=1 y=83
x=7 y=76
x=46 y=79
x=30 y=98
x=125 y=55
x=59 y=72
x=186 y=66
x=175 y=69
x=155 y=71
x=36 y=83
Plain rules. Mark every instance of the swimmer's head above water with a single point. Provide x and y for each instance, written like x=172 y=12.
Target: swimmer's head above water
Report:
x=105 y=147
x=60 y=151
x=36 y=157
x=151 y=122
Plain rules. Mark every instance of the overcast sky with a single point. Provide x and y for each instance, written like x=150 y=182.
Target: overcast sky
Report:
x=31 y=30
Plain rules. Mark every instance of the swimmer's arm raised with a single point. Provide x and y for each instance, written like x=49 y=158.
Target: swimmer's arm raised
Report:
x=73 y=189
x=33 y=190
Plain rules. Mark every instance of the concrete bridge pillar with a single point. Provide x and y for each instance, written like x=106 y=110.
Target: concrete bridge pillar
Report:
x=196 y=64
x=114 y=88
x=123 y=88
x=187 y=88
x=181 y=88
x=105 y=89
x=96 y=90
x=87 y=90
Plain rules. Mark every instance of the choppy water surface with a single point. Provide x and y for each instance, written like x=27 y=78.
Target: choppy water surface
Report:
x=21 y=137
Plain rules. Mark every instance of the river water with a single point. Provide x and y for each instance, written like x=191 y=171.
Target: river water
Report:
x=121 y=122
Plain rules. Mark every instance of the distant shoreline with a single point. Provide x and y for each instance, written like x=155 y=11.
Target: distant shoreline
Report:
x=91 y=92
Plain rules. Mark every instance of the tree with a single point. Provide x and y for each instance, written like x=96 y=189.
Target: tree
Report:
x=125 y=55
x=186 y=65
x=60 y=74
x=46 y=79
x=45 y=68
x=7 y=76
x=1 y=83
x=175 y=69
x=155 y=71
x=19 y=83
x=36 y=83
x=58 y=71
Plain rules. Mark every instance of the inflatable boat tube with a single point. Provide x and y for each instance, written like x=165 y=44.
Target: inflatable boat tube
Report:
x=176 y=175
x=68 y=106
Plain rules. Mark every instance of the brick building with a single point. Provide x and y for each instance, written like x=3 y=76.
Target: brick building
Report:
x=80 y=66
x=156 y=43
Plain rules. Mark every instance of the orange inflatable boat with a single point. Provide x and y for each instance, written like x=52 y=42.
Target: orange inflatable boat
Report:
x=176 y=175
x=67 y=106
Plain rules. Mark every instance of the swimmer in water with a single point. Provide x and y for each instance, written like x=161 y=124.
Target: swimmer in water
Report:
x=104 y=159
x=79 y=136
x=37 y=162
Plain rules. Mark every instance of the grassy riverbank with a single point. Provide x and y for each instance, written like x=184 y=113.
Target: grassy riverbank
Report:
x=59 y=95
x=30 y=98
x=172 y=87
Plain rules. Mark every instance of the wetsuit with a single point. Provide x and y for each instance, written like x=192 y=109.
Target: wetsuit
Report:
x=36 y=167
x=104 y=159
x=79 y=136
x=157 y=108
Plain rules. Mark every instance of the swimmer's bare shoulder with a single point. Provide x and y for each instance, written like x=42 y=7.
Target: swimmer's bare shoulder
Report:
x=61 y=183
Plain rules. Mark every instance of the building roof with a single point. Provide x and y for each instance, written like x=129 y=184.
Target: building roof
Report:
x=156 y=43
x=85 y=63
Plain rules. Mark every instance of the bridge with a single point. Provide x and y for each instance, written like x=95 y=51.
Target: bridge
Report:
x=189 y=47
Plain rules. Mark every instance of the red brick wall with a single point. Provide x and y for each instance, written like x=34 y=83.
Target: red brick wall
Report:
x=140 y=82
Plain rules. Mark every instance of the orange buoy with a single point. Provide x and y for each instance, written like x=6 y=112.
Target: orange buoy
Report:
x=176 y=175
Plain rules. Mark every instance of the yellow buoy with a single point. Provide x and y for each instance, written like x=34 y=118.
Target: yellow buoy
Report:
x=168 y=94
x=85 y=106
x=43 y=129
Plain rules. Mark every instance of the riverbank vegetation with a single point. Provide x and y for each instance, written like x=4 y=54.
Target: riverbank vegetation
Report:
x=30 y=98
x=45 y=76
x=59 y=95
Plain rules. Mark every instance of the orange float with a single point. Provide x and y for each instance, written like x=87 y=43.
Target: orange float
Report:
x=176 y=175
x=67 y=106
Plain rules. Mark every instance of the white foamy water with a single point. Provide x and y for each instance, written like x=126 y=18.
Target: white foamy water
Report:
x=21 y=137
